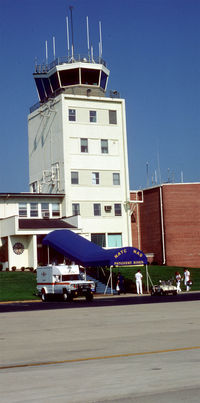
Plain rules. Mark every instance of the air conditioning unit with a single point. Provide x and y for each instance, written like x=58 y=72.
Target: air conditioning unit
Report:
x=45 y=215
x=108 y=209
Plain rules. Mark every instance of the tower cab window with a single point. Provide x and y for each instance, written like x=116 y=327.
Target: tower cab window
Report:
x=72 y=115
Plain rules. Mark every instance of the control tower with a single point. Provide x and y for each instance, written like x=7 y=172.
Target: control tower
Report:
x=78 y=146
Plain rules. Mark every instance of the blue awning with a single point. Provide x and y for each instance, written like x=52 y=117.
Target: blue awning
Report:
x=88 y=254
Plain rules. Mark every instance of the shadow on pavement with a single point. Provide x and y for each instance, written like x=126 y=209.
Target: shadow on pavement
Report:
x=99 y=301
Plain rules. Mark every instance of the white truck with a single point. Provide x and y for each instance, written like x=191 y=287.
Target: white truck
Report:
x=63 y=281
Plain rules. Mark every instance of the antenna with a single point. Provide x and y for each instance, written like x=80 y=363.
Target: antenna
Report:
x=88 y=38
x=100 y=41
x=67 y=24
x=92 y=55
x=158 y=161
x=168 y=175
x=72 y=31
x=147 y=169
x=46 y=47
x=54 y=48
x=181 y=176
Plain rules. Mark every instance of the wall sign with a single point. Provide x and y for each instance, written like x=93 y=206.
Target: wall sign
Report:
x=18 y=248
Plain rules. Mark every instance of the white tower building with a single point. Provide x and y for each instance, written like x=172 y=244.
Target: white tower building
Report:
x=78 y=146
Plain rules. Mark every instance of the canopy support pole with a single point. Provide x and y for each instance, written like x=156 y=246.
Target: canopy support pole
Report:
x=48 y=254
x=111 y=282
x=147 y=278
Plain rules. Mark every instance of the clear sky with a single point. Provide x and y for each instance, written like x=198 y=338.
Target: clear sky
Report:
x=152 y=48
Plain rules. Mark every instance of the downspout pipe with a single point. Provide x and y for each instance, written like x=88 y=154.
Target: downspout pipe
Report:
x=162 y=226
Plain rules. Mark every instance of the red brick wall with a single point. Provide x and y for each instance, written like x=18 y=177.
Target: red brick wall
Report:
x=149 y=224
x=181 y=215
x=181 y=205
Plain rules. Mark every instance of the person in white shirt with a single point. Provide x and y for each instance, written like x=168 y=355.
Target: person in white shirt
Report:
x=186 y=279
x=178 y=281
x=138 y=280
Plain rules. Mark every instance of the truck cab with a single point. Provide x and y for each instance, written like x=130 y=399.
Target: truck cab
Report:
x=63 y=281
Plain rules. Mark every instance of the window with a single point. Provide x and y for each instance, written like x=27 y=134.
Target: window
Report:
x=45 y=209
x=104 y=146
x=99 y=239
x=55 y=210
x=75 y=208
x=118 y=209
x=72 y=115
x=95 y=178
x=22 y=209
x=33 y=209
x=84 y=145
x=97 y=209
x=93 y=116
x=113 y=117
x=116 y=178
x=74 y=178
x=34 y=187
x=115 y=240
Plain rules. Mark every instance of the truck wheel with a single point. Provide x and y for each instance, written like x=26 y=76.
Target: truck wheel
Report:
x=89 y=297
x=44 y=296
x=67 y=297
x=64 y=296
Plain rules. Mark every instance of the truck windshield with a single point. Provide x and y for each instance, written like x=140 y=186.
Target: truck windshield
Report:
x=71 y=277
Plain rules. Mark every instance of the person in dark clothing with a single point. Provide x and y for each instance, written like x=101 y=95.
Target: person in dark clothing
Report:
x=120 y=284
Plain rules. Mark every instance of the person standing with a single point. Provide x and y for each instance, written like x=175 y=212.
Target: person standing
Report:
x=138 y=280
x=178 y=281
x=120 y=284
x=187 y=279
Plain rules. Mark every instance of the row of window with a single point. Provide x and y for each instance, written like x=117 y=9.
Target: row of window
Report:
x=39 y=209
x=107 y=240
x=97 y=209
x=84 y=146
x=95 y=178
x=92 y=116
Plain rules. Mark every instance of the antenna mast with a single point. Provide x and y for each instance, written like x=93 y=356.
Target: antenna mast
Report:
x=54 y=48
x=147 y=169
x=88 y=38
x=46 y=47
x=71 y=8
x=100 y=41
x=67 y=24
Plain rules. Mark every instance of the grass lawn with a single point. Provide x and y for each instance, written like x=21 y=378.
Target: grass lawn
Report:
x=20 y=286
x=17 y=286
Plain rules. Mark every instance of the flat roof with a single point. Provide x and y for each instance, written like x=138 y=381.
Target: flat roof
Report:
x=35 y=223
x=36 y=195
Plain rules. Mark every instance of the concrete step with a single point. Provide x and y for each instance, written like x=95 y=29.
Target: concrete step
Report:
x=100 y=287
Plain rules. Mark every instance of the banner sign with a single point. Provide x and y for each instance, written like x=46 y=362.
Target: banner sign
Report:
x=128 y=257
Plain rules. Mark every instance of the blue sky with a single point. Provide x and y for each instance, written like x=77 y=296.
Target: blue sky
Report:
x=152 y=48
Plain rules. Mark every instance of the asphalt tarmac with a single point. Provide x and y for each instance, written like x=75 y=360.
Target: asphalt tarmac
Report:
x=117 y=349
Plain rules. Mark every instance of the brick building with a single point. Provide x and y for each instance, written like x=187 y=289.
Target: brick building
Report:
x=166 y=222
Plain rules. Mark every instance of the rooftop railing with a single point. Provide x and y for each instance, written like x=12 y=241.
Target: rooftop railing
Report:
x=45 y=67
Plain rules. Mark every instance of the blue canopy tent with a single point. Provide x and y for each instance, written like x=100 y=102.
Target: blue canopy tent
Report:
x=88 y=254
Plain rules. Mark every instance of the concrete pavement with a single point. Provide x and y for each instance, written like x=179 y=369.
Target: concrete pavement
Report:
x=120 y=353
